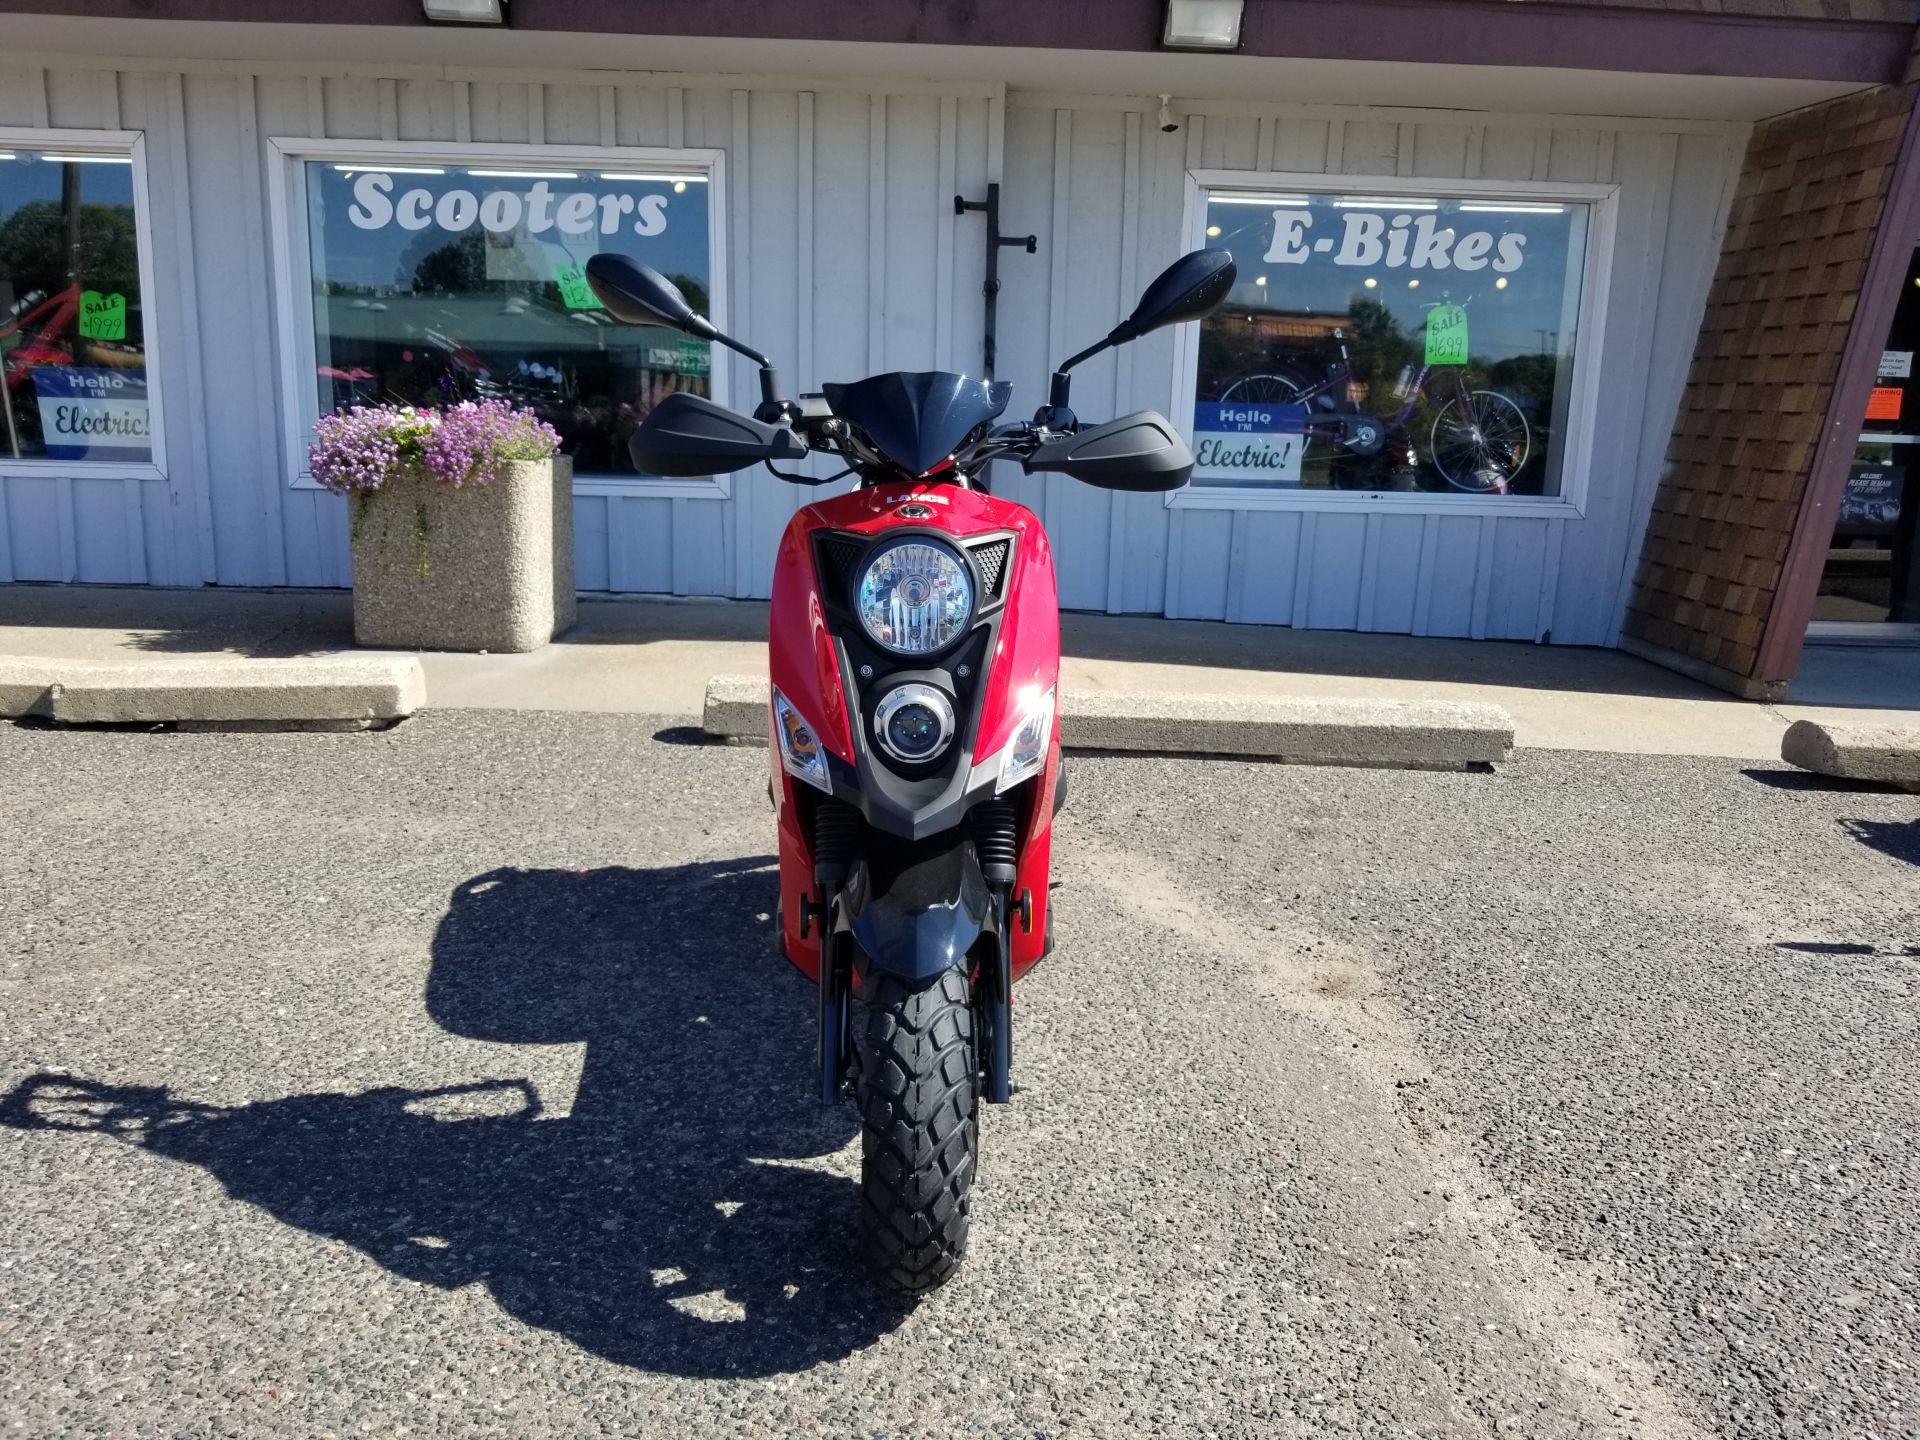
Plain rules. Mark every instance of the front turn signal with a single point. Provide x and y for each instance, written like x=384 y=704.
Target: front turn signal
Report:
x=801 y=754
x=1026 y=753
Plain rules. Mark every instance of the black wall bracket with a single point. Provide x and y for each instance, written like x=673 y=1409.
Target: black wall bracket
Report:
x=1028 y=243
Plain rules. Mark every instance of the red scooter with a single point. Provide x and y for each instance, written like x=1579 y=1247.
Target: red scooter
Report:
x=915 y=747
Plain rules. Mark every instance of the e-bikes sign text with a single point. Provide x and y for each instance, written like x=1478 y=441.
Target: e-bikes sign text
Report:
x=1248 y=442
x=1369 y=238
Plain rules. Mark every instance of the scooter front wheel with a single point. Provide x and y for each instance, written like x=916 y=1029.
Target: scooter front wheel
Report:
x=920 y=1128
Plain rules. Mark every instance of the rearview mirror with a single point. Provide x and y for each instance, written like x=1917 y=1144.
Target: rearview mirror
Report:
x=638 y=294
x=1185 y=290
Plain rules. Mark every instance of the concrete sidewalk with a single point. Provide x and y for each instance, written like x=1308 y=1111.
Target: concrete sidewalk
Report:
x=654 y=656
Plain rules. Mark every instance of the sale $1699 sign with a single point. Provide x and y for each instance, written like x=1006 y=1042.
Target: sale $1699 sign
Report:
x=1246 y=441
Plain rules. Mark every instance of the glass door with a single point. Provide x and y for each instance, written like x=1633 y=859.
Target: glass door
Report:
x=1870 y=585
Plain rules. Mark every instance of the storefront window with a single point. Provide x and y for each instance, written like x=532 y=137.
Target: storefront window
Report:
x=1390 y=343
x=72 y=328
x=439 y=283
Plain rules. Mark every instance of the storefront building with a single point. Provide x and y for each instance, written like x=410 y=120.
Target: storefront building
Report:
x=1461 y=388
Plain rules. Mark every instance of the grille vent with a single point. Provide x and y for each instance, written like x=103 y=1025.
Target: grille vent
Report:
x=840 y=560
x=839 y=554
x=992 y=560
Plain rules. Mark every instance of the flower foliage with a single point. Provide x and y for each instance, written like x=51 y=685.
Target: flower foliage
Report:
x=369 y=446
x=476 y=440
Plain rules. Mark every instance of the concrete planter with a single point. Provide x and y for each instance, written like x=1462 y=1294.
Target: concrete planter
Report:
x=484 y=568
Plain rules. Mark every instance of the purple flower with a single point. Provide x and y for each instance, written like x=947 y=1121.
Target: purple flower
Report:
x=364 y=447
x=368 y=446
x=475 y=441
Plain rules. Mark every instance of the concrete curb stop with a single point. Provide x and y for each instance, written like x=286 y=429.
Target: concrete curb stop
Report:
x=1402 y=734
x=1883 y=754
x=336 y=691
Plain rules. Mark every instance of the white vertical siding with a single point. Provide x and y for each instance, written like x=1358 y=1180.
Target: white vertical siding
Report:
x=1104 y=189
x=844 y=257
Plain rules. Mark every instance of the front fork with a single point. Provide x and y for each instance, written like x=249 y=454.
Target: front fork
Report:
x=835 y=989
x=836 y=985
x=994 y=837
x=996 y=1008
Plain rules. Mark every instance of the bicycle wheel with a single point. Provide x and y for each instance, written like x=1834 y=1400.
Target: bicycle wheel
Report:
x=1481 y=450
x=1263 y=390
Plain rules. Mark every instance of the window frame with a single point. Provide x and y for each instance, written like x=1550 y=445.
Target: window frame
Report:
x=1578 y=426
x=293 y=270
x=131 y=143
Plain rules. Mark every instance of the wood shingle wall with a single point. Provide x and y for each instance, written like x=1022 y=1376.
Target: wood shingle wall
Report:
x=1803 y=223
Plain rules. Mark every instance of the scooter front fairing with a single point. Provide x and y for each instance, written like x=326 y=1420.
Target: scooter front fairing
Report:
x=913 y=819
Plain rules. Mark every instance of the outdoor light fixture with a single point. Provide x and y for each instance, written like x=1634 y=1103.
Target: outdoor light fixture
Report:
x=1203 y=24
x=466 y=12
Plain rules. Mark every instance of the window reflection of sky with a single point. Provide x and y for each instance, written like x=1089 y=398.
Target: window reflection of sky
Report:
x=434 y=314
x=1523 y=317
x=26 y=180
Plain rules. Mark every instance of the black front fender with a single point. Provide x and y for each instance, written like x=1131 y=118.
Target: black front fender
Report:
x=916 y=911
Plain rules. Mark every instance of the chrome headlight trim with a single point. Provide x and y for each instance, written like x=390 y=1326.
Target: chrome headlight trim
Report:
x=925 y=610
x=896 y=700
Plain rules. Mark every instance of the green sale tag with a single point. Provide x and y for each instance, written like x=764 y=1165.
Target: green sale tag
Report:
x=574 y=290
x=1447 y=335
x=102 y=317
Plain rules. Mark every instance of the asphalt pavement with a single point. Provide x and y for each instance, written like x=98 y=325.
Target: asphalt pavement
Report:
x=444 y=1082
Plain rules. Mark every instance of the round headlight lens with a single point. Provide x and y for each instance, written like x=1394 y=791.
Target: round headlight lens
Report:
x=913 y=723
x=915 y=597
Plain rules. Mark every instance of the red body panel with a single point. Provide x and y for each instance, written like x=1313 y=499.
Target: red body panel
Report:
x=803 y=668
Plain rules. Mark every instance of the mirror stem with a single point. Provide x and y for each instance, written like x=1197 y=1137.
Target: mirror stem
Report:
x=771 y=400
x=734 y=345
x=1057 y=414
x=772 y=403
x=1086 y=354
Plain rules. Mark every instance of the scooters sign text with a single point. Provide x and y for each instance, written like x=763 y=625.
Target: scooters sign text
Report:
x=539 y=207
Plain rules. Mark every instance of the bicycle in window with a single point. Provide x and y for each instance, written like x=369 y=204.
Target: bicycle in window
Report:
x=1479 y=440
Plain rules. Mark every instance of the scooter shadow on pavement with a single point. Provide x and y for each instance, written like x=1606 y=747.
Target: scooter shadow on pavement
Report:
x=663 y=1223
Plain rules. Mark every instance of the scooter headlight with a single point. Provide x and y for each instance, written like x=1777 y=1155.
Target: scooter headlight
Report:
x=913 y=723
x=801 y=753
x=1026 y=753
x=914 y=597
